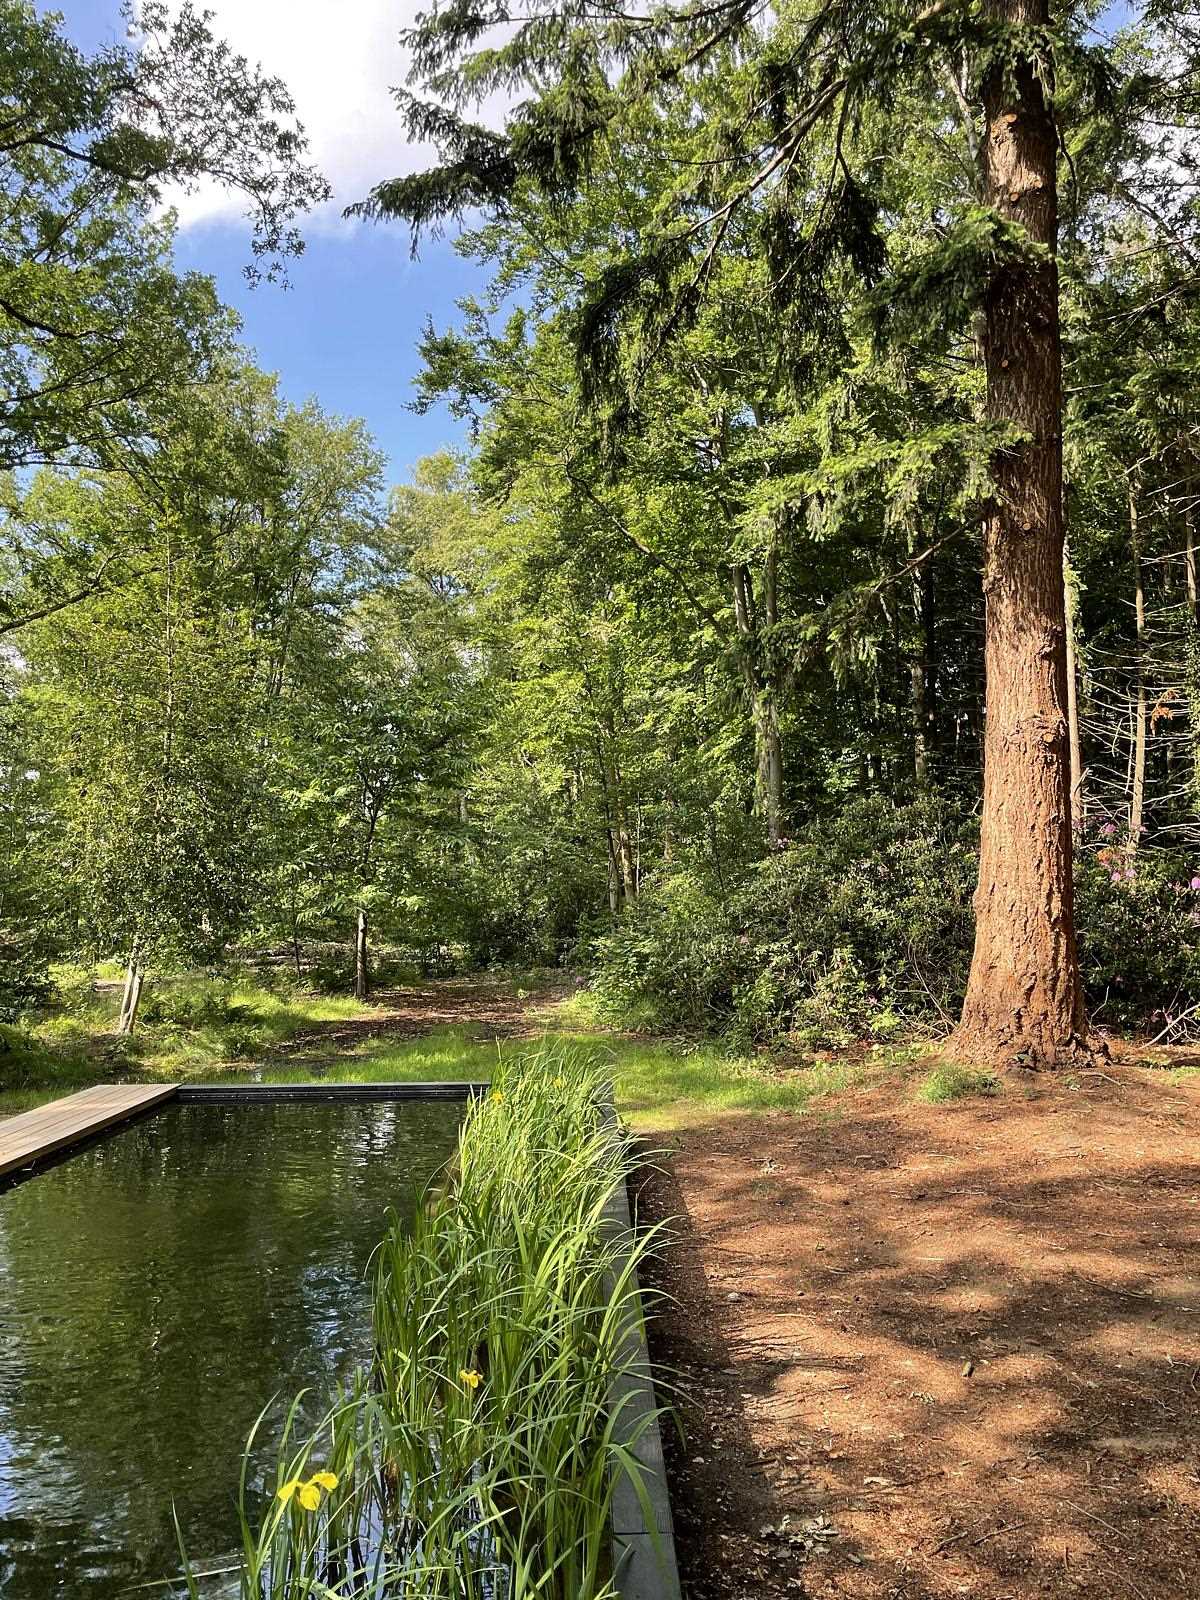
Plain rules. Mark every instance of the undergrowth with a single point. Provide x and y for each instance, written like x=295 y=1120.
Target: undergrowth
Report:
x=951 y=1081
x=205 y=1028
x=189 y=1026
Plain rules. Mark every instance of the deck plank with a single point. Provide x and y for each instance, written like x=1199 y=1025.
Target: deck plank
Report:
x=45 y=1129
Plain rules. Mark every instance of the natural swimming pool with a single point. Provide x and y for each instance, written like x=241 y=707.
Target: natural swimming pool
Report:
x=157 y=1288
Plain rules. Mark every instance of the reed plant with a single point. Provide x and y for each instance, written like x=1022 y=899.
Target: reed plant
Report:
x=477 y=1454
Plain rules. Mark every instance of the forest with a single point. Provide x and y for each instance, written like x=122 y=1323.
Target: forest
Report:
x=674 y=677
x=646 y=966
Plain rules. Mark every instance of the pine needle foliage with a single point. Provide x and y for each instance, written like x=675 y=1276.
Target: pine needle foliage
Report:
x=793 y=136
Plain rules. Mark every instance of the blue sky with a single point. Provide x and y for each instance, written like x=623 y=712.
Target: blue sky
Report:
x=346 y=329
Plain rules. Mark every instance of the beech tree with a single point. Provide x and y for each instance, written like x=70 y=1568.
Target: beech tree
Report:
x=375 y=743
x=99 y=335
x=141 y=704
x=157 y=710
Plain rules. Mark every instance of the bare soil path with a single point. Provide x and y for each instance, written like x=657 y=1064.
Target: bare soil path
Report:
x=488 y=1008
x=935 y=1351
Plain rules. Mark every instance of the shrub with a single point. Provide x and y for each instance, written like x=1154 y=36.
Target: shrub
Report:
x=864 y=924
x=1139 y=934
x=864 y=920
x=190 y=1002
x=677 y=961
x=74 y=987
x=24 y=975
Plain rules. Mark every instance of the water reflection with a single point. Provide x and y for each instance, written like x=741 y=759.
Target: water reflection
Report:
x=155 y=1290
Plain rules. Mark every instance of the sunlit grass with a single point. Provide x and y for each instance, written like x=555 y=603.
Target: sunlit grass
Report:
x=659 y=1084
x=191 y=1026
x=202 y=1029
x=953 y=1082
x=31 y=1074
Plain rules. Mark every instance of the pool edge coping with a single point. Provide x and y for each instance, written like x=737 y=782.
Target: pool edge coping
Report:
x=644 y=1556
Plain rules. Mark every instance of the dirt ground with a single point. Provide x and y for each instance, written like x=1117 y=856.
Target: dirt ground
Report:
x=491 y=1008
x=932 y=1351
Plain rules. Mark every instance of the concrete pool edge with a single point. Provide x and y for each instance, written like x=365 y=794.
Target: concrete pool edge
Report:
x=252 y=1093
x=643 y=1548
x=644 y=1558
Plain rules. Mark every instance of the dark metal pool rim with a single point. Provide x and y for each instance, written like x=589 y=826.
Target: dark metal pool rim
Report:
x=197 y=1093
x=646 y=1567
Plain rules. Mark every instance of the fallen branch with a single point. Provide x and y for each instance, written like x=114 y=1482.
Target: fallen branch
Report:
x=1174 y=1023
x=1005 y=1527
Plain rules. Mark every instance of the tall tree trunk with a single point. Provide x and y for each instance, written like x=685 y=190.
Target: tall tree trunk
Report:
x=362 y=968
x=621 y=889
x=617 y=809
x=1024 y=1001
x=1078 y=775
x=1189 y=560
x=131 y=999
x=1137 y=788
x=764 y=713
x=923 y=670
x=374 y=798
x=629 y=882
x=614 y=878
x=772 y=739
x=770 y=764
x=920 y=749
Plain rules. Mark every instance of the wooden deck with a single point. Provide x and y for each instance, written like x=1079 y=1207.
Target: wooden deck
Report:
x=33 y=1134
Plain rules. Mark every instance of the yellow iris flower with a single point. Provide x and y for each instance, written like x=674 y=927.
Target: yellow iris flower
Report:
x=471 y=1378
x=308 y=1494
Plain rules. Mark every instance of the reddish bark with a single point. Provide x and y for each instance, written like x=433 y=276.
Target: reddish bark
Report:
x=1024 y=1002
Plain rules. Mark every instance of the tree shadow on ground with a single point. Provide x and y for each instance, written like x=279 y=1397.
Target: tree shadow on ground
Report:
x=975 y=1332
x=722 y=1497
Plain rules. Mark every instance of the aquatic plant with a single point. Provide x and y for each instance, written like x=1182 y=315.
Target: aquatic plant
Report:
x=476 y=1456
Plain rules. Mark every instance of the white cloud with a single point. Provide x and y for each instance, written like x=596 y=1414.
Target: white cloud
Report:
x=340 y=62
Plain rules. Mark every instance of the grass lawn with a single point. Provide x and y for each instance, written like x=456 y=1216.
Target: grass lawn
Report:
x=210 y=1030
x=659 y=1084
x=192 y=1027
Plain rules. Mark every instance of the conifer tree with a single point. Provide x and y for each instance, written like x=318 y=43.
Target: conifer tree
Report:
x=791 y=109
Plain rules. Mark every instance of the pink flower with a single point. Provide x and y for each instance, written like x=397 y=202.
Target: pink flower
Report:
x=1109 y=829
x=1195 y=884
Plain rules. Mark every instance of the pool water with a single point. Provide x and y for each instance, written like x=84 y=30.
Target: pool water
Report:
x=157 y=1289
